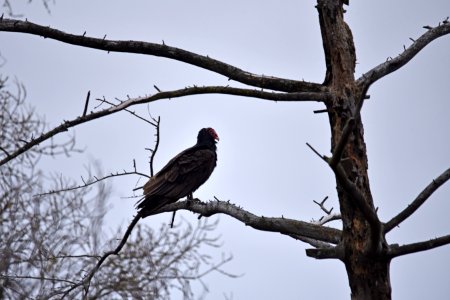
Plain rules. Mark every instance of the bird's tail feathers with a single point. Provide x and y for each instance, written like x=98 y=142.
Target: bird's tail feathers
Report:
x=151 y=204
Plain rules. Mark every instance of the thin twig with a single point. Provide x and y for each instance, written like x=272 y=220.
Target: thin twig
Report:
x=322 y=206
x=94 y=181
x=103 y=100
x=4 y=151
x=155 y=149
x=6 y=276
x=86 y=105
x=323 y=157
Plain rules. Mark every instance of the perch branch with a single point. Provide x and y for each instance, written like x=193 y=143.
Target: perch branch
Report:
x=394 y=64
x=420 y=199
x=282 y=225
x=395 y=251
x=166 y=95
x=162 y=50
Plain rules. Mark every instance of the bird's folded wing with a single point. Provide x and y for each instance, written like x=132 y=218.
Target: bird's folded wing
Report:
x=186 y=172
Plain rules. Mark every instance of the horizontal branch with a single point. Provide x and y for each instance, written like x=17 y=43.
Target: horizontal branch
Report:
x=394 y=64
x=420 y=199
x=395 y=251
x=336 y=252
x=300 y=96
x=312 y=242
x=162 y=50
x=282 y=225
x=40 y=278
x=91 y=182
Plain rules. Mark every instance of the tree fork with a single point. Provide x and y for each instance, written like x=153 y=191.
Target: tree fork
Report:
x=362 y=241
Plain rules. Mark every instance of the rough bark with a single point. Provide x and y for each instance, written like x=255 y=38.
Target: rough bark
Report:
x=367 y=270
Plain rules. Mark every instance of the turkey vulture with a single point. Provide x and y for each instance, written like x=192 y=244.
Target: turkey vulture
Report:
x=182 y=175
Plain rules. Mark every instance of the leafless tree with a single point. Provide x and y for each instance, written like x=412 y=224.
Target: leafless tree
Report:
x=361 y=243
x=49 y=241
x=9 y=6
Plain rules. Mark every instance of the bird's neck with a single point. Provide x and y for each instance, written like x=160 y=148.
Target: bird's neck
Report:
x=207 y=144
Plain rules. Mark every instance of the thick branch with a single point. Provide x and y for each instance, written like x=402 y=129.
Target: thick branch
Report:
x=162 y=50
x=420 y=199
x=326 y=253
x=312 y=242
x=395 y=251
x=282 y=225
x=167 y=95
x=394 y=64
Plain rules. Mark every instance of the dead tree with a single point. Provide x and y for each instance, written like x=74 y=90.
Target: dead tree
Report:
x=361 y=243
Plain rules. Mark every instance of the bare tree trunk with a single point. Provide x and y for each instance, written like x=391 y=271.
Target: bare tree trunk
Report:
x=367 y=269
x=369 y=278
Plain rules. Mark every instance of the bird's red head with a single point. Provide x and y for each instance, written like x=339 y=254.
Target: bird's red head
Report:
x=213 y=133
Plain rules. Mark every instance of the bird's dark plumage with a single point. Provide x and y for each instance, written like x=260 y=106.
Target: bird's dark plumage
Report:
x=183 y=174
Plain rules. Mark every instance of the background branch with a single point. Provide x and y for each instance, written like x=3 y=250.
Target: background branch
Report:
x=91 y=182
x=87 y=280
x=165 y=95
x=395 y=251
x=420 y=199
x=396 y=63
x=162 y=50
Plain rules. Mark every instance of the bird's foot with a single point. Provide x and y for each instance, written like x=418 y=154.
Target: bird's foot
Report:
x=191 y=200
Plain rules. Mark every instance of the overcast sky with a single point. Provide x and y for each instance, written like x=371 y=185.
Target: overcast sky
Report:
x=263 y=164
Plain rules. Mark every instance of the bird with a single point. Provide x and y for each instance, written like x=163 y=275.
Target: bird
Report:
x=182 y=175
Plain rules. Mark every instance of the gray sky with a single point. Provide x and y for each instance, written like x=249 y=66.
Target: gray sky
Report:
x=264 y=164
